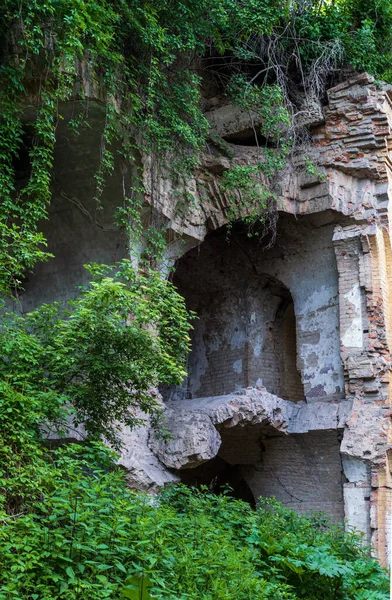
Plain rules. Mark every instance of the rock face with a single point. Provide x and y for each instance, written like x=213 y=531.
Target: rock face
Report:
x=289 y=380
x=145 y=471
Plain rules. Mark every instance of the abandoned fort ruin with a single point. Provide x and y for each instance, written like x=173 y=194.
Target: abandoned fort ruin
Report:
x=288 y=387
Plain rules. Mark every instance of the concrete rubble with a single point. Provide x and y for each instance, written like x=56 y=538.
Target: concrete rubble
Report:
x=196 y=425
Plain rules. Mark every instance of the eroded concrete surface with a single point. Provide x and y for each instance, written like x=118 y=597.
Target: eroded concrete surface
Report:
x=289 y=375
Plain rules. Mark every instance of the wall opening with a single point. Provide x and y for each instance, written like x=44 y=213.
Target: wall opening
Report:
x=303 y=471
x=246 y=333
x=219 y=476
x=249 y=137
x=290 y=384
x=76 y=231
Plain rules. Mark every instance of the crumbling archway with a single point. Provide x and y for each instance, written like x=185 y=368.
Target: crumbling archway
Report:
x=245 y=334
x=268 y=321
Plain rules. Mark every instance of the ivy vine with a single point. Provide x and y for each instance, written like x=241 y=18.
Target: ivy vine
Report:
x=149 y=60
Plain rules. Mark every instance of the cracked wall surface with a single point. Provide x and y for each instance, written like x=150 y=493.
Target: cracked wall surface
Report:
x=323 y=442
x=237 y=288
x=304 y=471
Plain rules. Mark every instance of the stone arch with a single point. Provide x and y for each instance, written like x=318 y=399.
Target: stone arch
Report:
x=245 y=332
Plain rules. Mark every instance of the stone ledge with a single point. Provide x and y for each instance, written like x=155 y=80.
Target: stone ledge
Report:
x=196 y=424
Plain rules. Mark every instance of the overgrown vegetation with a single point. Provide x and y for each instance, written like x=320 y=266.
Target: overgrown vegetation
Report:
x=101 y=353
x=149 y=60
x=70 y=527
x=71 y=530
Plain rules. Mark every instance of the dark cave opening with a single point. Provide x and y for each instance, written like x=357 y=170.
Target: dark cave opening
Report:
x=250 y=137
x=219 y=477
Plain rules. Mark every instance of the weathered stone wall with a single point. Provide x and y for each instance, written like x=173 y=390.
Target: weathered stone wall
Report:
x=332 y=258
x=78 y=230
x=302 y=471
x=270 y=444
x=237 y=288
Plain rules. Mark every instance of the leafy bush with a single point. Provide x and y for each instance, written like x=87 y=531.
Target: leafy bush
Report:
x=100 y=353
x=71 y=529
x=88 y=536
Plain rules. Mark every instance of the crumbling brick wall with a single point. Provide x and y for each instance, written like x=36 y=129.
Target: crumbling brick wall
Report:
x=241 y=291
x=303 y=471
x=332 y=257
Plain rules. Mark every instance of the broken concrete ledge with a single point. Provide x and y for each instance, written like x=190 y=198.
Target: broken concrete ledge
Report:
x=195 y=424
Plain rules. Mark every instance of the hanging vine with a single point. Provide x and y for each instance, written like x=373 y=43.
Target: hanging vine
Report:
x=148 y=60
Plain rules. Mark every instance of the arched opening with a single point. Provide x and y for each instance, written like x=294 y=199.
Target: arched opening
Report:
x=245 y=333
x=303 y=471
x=289 y=379
x=266 y=317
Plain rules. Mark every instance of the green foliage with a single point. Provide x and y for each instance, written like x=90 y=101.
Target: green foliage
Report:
x=72 y=529
x=102 y=352
x=311 y=169
x=267 y=102
x=249 y=189
x=149 y=60
x=89 y=536
x=246 y=193
x=362 y=28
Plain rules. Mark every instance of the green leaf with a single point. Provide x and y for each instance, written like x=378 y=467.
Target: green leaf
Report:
x=137 y=587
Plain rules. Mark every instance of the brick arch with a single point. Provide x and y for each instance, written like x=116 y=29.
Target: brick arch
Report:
x=245 y=333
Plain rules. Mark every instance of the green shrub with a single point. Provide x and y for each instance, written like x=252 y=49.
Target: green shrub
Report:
x=99 y=354
x=71 y=529
x=88 y=536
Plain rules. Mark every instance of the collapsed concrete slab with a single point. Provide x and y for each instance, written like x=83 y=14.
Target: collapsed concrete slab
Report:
x=197 y=426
